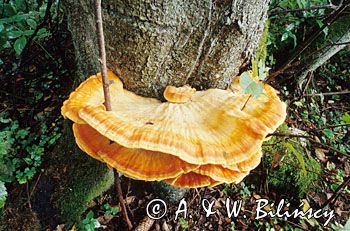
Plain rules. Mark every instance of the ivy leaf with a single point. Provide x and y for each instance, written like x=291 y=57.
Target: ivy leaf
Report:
x=32 y=23
x=284 y=36
x=14 y=34
x=287 y=35
x=19 y=45
x=22 y=133
x=290 y=27
x=249 y=86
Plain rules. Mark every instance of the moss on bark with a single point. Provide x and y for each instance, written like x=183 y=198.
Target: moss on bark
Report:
x=81 y=181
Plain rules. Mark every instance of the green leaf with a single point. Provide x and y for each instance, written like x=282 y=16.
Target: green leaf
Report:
x=291 y=35
x=6 y=172
x=14 y=34
x=249 y=86
x=21 y=5
x=22 y=133
x=9 y=10
x=19 y=45
x=298 y=103
x=90 y=215
x=15 y=18
x=346 y=118
x=346 y=226
x=285 y=36
x=32 y=23
x=28 y=32
x=328 y=133
x=245 y=80
x=320 y=24
x=255 y=89
x=290 y=27
x=290 y=147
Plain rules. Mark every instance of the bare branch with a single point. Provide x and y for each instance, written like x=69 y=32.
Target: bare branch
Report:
x=327 y=22
x=329 y=93
x=285 y=11
x=289 y=135
x=106 y=83
x=102 y=50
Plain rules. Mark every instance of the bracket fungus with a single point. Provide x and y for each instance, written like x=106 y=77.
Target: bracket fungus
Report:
x=195 y=139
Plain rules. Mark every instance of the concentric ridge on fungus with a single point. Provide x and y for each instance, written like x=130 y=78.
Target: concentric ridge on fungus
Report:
x=198 y=135
x=135 y=163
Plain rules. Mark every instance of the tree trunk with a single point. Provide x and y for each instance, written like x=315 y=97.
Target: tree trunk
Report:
x=152 y=44
x=338 y=38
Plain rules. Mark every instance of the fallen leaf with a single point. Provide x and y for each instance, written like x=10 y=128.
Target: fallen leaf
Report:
x=60 y=227
x=256 y=196
x=165 y=226
x=320 y=153
x=145 y=225
x=130 y=199
x=277 y=157
x=105 y=219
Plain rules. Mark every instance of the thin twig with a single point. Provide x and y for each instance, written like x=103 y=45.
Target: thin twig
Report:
x=339 y=44
x=28 y=197
x=329 y=93
x=337 y=191
x=103 y=60
x=333 y=126
x=121 y=199
x=106 y=83
x=292 y=223
x=289 y=135
x=329 y=147
x=38 y=27
x=285 y=11
x=36 y=183
x=246 y=102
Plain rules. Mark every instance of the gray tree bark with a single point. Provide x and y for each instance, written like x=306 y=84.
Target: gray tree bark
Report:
x=152 y=44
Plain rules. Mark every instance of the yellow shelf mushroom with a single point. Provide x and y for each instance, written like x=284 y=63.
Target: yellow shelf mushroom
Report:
x=195 y=139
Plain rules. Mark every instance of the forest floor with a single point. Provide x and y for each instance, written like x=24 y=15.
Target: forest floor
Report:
x=37 y=90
